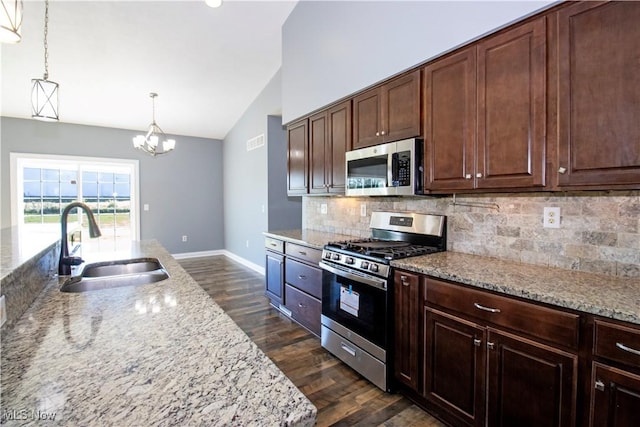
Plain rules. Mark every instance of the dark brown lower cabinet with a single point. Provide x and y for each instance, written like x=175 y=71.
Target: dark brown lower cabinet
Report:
x=482 y=365
x=454 y=376
x=615 y=397
x=407 y=329
x=529 y=384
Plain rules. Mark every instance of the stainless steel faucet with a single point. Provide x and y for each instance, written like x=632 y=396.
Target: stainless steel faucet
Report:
x=66 y=261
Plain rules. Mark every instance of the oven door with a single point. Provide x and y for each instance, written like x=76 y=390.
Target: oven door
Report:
x=357 y=303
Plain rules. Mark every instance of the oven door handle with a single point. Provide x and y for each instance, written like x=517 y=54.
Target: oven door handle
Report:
x=371 y=281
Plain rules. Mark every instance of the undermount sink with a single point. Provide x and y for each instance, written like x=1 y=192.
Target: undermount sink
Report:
x=115 y=274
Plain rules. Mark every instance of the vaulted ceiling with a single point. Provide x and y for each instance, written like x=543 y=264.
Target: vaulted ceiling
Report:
x=207 y=65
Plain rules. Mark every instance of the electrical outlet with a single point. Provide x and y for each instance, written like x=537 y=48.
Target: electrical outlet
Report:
x=323 y=209
x=185 y=238
x=145 y=206
x=3 y=310
x=247 y=243
x=363 y=209
x=551 y=217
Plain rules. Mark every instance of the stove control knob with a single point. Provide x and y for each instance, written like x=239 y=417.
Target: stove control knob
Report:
x=364 y=265
x=350 y=260
x=373 y=267
x=336 y=257
x=327 y=255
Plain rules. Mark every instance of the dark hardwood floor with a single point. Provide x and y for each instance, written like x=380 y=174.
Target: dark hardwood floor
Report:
x=342 y=397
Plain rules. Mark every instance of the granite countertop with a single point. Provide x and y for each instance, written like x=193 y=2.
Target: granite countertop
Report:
x=16 y=250
x=157 y=354
x=608 y=296
x=312 y=238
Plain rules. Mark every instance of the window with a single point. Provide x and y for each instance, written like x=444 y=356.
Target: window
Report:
x=42 y=186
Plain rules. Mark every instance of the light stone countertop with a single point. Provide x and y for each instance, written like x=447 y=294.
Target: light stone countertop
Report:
x=16 y=250
x=603 y=295
x=608 y=296
x=312 y=238
x=157 y=354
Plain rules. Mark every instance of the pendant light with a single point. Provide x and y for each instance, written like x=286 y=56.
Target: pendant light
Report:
x=44 y=93
x=10 y=21
x=155 y=142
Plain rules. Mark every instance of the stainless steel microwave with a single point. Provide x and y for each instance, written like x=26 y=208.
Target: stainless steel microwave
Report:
x=392 y=169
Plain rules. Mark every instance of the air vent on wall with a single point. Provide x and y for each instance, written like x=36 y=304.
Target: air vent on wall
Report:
x=255 y=142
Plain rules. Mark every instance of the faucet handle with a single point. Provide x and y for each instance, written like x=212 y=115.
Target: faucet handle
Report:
x=73 y=260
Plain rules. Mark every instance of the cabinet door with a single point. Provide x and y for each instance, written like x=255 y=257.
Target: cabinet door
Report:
x=274 y=276
x=317 y=153
x=338 y=144
x=454 y=375
x=615 y=397
x=450 y=121
x=297 y=158
x=407 y=306
x=367 y=121
x=511 y=108
x=599 y=93
x=401 y=108
x=529 y=384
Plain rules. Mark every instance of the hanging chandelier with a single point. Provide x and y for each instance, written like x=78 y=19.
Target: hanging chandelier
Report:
x=10 y=21
x=44 y=93
x=155 y=142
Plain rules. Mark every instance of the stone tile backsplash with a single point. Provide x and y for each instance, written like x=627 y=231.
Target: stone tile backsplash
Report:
x=599 y=231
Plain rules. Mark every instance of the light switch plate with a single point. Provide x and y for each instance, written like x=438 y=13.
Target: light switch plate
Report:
x=323 y=208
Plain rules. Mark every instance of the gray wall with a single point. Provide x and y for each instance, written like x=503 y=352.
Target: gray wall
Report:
x=249 y=182
x=283 y=212
x=331 y=49
x=183 y=188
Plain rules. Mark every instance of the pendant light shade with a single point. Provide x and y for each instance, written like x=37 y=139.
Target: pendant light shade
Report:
x=154 y=142
x=10 y=21
x=44 y=92
x=44 y=100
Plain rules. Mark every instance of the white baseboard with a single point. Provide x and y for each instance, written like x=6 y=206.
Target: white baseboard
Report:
x=255 y=267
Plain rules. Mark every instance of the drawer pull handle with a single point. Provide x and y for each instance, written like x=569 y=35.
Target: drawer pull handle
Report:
x=301 y=305
x=483 y=308
x=303 y=253
x=302 y=277
x=627 y=349
x=348 y=349
x=599 y=385
x=272 y=244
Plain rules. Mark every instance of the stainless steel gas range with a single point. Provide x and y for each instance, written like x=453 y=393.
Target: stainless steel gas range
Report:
x=357 y=295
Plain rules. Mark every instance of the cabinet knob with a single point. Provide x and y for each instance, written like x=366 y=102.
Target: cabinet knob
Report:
x=467 y=176
x=302 y=277
x=377 y=133
x=382 y=132
x=599 y=385
x=490 y=345
x=562 y=170
x=478 y=175
x=477 y=342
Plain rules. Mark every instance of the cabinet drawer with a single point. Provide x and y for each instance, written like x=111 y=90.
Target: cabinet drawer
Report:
x=617 y=342
x=537 y=321
x=304 y=277
x=310 y=255
x=274 y=244
x=304 y=308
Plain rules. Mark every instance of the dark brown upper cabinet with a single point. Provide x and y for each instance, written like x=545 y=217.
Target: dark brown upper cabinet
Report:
x=599 y=94
x=297 y=158
x=329 y=140
x=485 y=113
x=388 y=113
